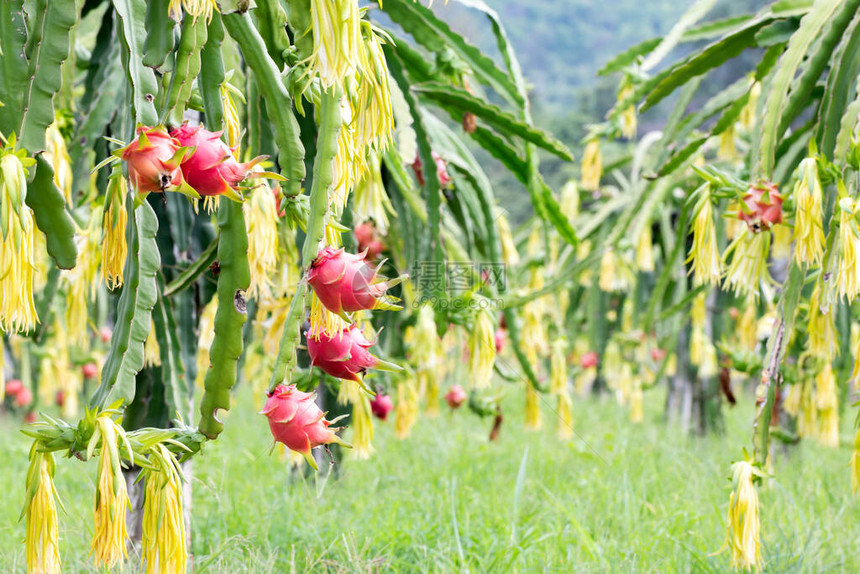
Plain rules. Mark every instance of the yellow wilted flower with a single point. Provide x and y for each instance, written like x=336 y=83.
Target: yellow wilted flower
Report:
x=855 y=464
x=781 y=248
x=743 y=531
x=569 y=203
x=615 y=272
x=109 y=533
x=791 y=403
x=371 y=201
x=506 y=238
x=232 y=124
x=323 y=322
x=707 y=265
x=82 y=280
x=592 y=166
x=57 y=155
x=114 y=220
x=262 y=224
x=558 y=366
x=821 y=328
x=151 y=349
x=362 y=425
x=374 y=117
x=748 y=267
x=482 y=350
x=637 y=413
x=406 y=411
x=848 y=279
x=645 y=251
x=827 y=401
x=204 y=339
x=163 y=515
x=17 y=254
x=808 y=219
x=564 y=424
x=628 y=115
x=727 y=150
x=194 y=8
x=807 y=418
x=42 y=539
x=533 y=416
x=337 y=40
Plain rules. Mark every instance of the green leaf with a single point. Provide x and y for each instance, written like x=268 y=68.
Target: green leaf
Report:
x=693 y=14
x=190 y=274
x=714 y=29
x=841 y=82
x=49 y=211
x=434 y=34
x=47 y=49
x=173 y=376
x=503 y=151
x=132 y=34
x=712 y=56
x=777 y=99
x=628 y=57
x=13 y=63
x=139 y=295
x=456 y=99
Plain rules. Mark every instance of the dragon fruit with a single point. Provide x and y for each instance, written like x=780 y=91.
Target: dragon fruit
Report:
x=154 y=159
x=345 y=282
x=441 y=170
x=24 y=397
x=381 y=405
x=212 y=169
x=345 y=355
x=456 y=396
x=368 y=240
x=762 y=207
x=90 y=371
x=13 y=387
x=588 y=360
x=296 y=421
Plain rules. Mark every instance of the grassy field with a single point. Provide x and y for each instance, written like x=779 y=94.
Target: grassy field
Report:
x=618 y=498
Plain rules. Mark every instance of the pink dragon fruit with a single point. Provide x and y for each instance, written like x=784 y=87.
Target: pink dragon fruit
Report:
x=500 y=338
x=368 y=240
x=345 y=283
x=154 y=159
x=24 y=397
x=212 y=169
x=762 y=207
x=345 y=355
x=90 y=371
x=381 y=405
x=456 y=396
x=589 y=359
x=441 y=170
x=296 y=421
x=13 y=387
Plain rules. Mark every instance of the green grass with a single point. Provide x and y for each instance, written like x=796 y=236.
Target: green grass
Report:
x=620 y=497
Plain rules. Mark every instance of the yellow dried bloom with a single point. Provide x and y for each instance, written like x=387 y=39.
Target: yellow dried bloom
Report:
x=533 y=416
x=371 y=201
x=262 y=225
x=362 y=427
x=781 y=248
x=564 y=421
x=406 y=411
x=855 y=464
x=373 y=121
x=615 y=272
x=569 y=203
x=748 y=267
x=231 y=122
x=743 y=530
x=848 y=278
x=645 y=251
x=808 y=219
x=727 y=151
x=204 y=339
x=109 y=533
x=637 y=413
x=57 y=155
x=337 y=40
x=114 y=221
x=482 y=350
x=827 y=401
x=821 y=327
x=506 y=238
x=748 y=114
x=42 y=538
x=707 y=265
x=323 y=322
x=151 y=349
x=163 y=515
x=592 y=166
x=17 y=254
x=82 y=281
x=628 y=115
x=194 y=8
x=558 y=367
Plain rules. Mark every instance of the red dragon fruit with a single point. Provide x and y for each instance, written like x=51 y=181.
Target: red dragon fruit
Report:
x=762 y=207
x=296 y=421
x=154 y=159
x=346 y=283
x=90 y=371
x=456 y=396
x=13 y=387
x=24 y=397
x=212 y=169
x=588 y=360
x=368 y=240
x=381 y=405
x=500 y=338
x=441 y=170
x=345 y=355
